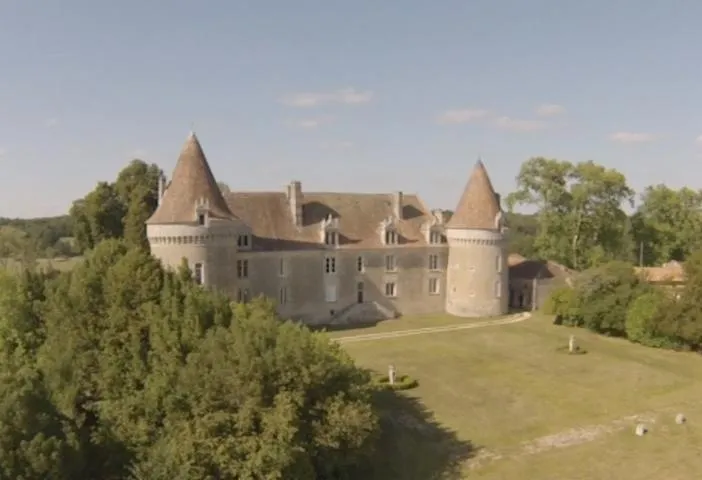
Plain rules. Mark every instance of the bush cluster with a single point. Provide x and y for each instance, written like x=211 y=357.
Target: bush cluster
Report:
x=613 y=299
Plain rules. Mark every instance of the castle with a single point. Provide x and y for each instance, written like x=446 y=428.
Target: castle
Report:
x=334 y=257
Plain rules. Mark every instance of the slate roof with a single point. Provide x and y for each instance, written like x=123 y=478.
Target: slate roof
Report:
x=192 y=181
x=479 y=204
x=360 y=216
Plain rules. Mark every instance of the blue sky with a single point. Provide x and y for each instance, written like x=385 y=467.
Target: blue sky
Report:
x=344 y=95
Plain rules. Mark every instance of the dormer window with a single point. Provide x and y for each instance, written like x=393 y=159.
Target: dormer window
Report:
x=434 y=228
x=436 y=237
x=329 y=231
x=391 y=237
x=388 y=232
x=202 y=206
x=331 y=238
x=243 y=241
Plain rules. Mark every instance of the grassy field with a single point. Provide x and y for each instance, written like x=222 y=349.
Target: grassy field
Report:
x=503 y=402
x=61 y=264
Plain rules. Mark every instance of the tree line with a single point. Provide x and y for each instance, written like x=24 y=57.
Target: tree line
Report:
x=584 y=216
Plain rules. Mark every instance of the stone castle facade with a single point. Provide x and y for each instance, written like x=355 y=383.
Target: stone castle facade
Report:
x=334 y=257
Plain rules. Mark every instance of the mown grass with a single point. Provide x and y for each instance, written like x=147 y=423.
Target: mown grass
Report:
x=506 y=402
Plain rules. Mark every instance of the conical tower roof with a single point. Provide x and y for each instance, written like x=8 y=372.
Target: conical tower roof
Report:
x=479 y=205
x=191 y=183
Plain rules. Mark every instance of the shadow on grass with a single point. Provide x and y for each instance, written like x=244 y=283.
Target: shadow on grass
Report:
x=340 y=327
x=343 y=326
x=412 y=445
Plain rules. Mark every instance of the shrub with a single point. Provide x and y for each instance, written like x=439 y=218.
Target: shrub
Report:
x=402 y=382
x=603 y=296
x=562 y=304
x=644 y=317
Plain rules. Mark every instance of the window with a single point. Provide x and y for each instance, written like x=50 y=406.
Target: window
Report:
x=283 y=295
x=433 y=262
x=201 y=219
x=391 y=237
x=433 y=286
x=498 y=289
x=243 y=241
x=360 y=266
x=359 y=292
x=330 y=293
x=390 y=289
x=242 y=268
x=242 y=295
x=282 y=271
x=198 y=274
x=498 y=263
x=330 y=265
x=435 y=237
x=331 y=238
x=390 y=263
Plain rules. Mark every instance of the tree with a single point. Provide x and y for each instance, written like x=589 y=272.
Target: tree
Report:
x=45 y=237
x=668 y=224
x=119 y=209
x=580 y=218
x=121 y=369
x=645 y=319
x=600 y=298
x=16 y=245
x=223 y=187
x=98 y=216
x=681 y=323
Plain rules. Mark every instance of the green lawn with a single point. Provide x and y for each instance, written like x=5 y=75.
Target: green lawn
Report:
x=502 y=402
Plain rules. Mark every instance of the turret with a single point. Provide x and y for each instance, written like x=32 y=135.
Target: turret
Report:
x=193 y=221
x=476 y=276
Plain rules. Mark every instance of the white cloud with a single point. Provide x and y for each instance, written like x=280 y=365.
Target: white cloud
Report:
x=311 y=123
x=462 y=116
x=550 y=110
x=344 y=96
x=51 y=122
x=519 y=125
x=632 y=137
x=699 y=140
x=3 y=152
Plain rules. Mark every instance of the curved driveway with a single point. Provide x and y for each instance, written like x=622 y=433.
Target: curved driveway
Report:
x=367 y=337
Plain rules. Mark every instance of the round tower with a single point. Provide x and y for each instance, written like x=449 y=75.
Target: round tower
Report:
x=477 y=275
x=193 y=222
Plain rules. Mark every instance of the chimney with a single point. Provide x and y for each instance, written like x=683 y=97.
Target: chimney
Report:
x=295 y=201
x=161 y=186
x=397 y=205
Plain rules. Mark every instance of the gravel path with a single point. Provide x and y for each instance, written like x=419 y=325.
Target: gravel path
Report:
x=367 y=337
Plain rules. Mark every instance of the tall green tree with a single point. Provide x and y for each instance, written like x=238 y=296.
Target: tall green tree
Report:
x=581 y=221
x=668 y=224
x=120 y=369
x=119 y=209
